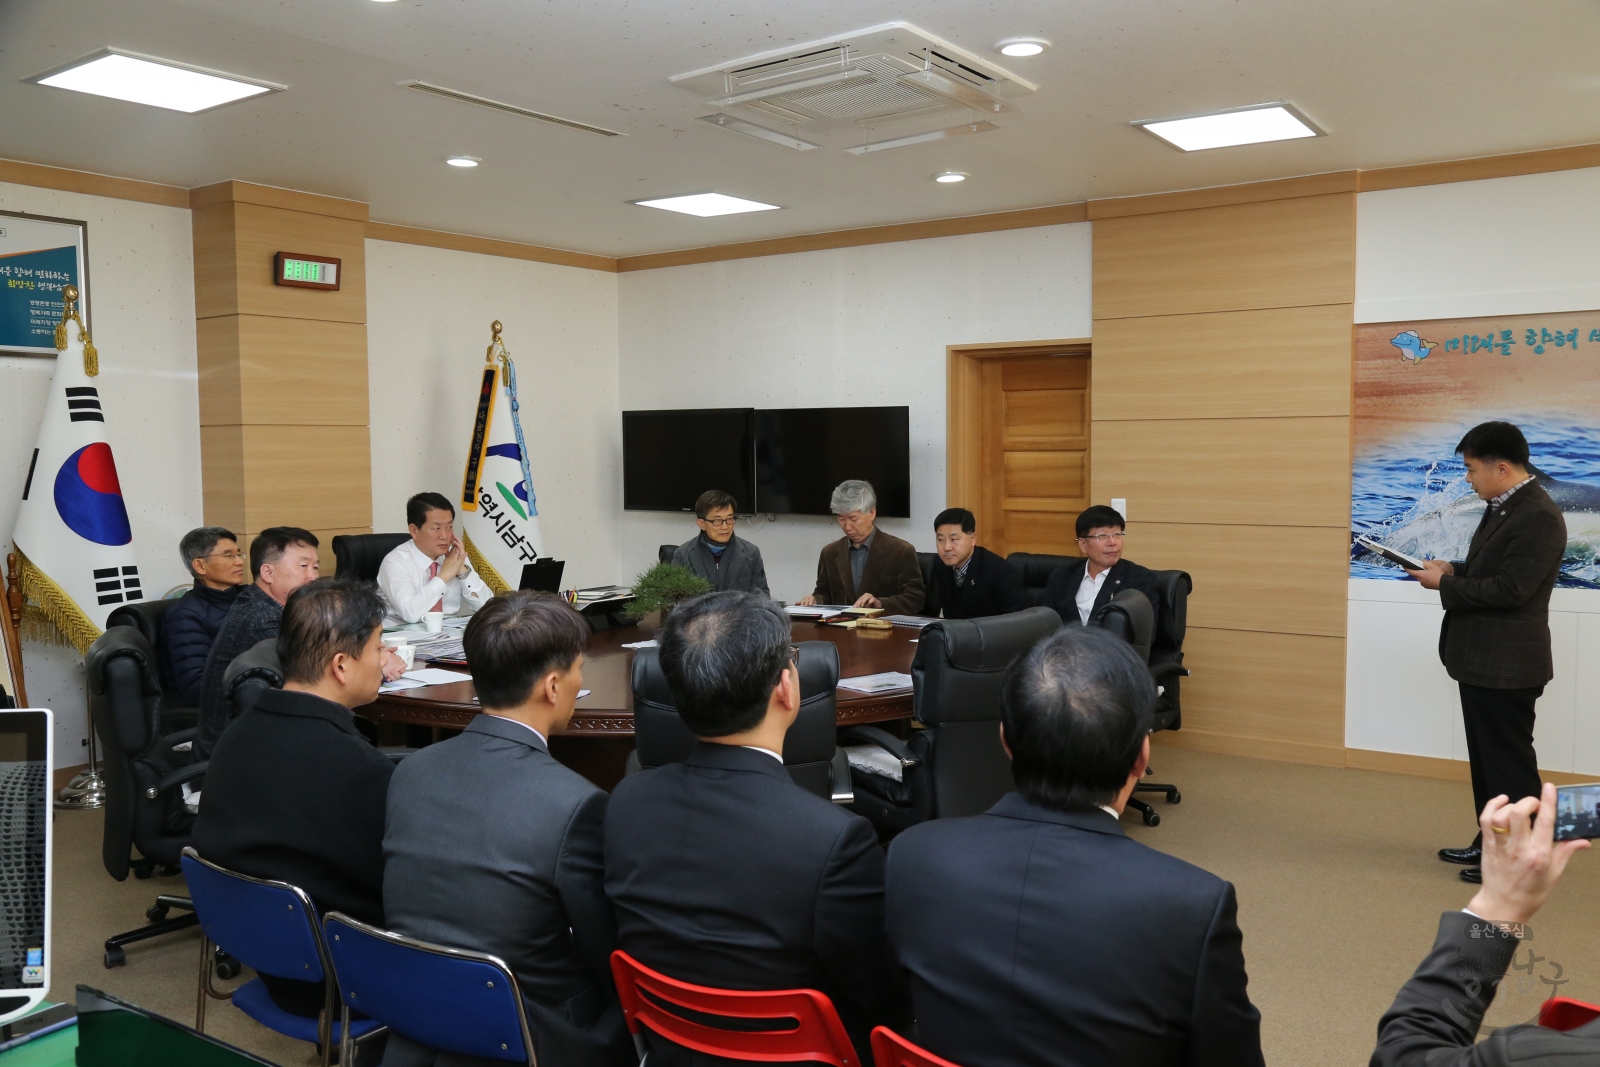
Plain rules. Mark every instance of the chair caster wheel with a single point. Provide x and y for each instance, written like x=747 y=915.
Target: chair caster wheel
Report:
x=226 y=967
x=156 y=913
x=1175 y=798
x=1152 y=819
x=115 y=957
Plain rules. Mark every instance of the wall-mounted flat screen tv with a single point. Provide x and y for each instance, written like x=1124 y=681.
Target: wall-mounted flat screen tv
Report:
x=670 y=457
x=802 y=453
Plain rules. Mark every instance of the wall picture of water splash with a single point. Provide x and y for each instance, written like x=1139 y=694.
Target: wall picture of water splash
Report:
x=1420 y=385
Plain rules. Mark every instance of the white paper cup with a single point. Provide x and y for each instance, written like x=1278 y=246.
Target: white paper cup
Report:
x=433 y=621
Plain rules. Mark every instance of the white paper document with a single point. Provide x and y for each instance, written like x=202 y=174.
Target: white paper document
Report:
x=400 y=683
x=640 y=644
x=435 y=676
x=814 y=611
x=876 y=683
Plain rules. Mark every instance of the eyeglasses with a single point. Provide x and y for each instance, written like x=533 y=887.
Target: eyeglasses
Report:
x=720 y=523
x=1103 y=538
x=794 y=654
x=225 y=555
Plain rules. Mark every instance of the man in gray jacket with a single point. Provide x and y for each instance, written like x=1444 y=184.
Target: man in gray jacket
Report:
x=717 y=555
x=491 y=845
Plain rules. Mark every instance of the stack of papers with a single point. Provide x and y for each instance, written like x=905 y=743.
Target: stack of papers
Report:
x=815 y=611
x=877 y=683
x=604 y=592
x=640 y=644
x=914 y=621
x=435 y=676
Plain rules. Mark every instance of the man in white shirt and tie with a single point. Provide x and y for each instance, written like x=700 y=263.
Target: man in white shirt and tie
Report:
x=1081 y=588
x=430 y=572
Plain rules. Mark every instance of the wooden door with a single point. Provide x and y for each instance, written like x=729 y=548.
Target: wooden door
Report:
x=1019 y=445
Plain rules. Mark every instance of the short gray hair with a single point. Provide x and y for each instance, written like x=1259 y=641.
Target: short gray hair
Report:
x=853 y=495
x=198 y=543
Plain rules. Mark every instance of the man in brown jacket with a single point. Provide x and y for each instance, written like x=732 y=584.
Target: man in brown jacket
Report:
x=867 y=567
x=1495 y=640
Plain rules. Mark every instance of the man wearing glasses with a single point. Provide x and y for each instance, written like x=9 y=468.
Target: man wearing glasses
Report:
x=211 y=555
x=722 y=559
x=1083 y=587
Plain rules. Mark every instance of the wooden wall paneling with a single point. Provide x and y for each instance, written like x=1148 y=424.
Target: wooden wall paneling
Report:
x=963 y=429
x=221 y=476
x=1256 y=472
x=216 y=261
x=1227 y=364
x=318 y=477
x=1301 y=592
x=221 y=395
x=262 y=232
x=1339 y=181
x=78 y=181
x=236 y=192
x=1278 y=253
x=1281 y=687
x=460 y=242
x=302 y=371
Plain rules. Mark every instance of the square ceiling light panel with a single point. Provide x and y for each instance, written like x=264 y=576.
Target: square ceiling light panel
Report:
x=705 y=205
x=157 y=82
x=1255 y=124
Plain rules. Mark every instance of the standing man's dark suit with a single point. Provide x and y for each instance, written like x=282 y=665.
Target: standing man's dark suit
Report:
x=295 y=793
x=725 y=873
x=492 y=845
x=1495 y=639
x=891 y=574
x=1061 y=592
x=1034 y=936
x=1435 y=1018
x=990 y=586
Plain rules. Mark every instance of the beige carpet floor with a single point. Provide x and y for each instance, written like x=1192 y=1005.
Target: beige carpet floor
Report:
x=1339 y=898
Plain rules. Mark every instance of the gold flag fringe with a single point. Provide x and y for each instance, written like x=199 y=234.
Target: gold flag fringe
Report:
x=67 y=624
x=490 y=576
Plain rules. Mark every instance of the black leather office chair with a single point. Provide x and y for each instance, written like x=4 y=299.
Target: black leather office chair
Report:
x=955 y=765
x=664 y=553
x=360 y=555
x=149 y=617
x=143 y=773
x=926 y=561
x=252 y=672
x=1036 y=569
x=1158 y=637
x=6 y=702
x=810 y=749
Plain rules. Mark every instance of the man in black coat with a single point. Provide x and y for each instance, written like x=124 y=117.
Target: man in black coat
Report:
x=969 y=581
x=1495 y=638
x=294 y=792
x=1037 y=932
x=492 y=845
x=190 y=628
x=721 y=870
x=1082 y=588
x=719 y=555
x=1435 y=1018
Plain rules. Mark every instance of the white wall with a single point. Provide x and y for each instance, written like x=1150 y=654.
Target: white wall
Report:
x=428 y=316
x=141 y=291
x=852 y=326
x=1506 y=246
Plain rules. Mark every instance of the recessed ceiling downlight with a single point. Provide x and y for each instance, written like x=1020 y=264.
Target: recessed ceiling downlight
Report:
x=950 y=177
x=463 y=161
x=157 y=82
x=1018 y=47
x=706 y=205
x=1255 y=124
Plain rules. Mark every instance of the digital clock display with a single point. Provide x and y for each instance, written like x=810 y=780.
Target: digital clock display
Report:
x=305 y=272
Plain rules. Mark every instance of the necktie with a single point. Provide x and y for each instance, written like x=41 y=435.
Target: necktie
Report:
x=433 y=572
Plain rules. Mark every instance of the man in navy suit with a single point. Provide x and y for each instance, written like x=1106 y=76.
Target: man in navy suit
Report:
x=1083 y=587
x=1037 y=932
x=721 y=870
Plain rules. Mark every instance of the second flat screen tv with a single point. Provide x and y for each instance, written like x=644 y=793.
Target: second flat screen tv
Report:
x=802 y=453
x=670 y=457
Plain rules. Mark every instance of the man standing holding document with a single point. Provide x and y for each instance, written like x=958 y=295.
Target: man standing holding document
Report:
x=1495 y=640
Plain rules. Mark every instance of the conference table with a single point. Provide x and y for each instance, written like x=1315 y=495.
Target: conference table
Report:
x=597 y=741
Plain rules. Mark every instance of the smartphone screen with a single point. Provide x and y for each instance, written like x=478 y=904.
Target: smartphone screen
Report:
x=1577 y=811
x=25 y=740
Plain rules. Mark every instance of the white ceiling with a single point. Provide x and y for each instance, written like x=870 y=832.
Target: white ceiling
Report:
x=1392 y=83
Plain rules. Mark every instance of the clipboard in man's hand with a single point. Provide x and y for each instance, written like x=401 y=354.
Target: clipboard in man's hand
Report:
x=1391 y=554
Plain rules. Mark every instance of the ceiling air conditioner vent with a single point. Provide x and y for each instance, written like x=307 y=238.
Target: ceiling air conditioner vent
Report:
x=484 y=101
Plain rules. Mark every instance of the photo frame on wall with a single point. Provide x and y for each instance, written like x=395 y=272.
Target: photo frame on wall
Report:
x=39 y=256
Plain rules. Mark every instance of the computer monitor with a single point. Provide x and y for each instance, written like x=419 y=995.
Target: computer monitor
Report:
x=543 y=575
x=25 y=833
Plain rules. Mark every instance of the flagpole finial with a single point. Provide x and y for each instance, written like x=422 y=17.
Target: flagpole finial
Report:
x=69 y=313
x=496 y=345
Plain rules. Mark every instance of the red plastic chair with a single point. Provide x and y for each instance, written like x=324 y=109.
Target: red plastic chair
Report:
x=815 y=1034
x=889 y=1049
x=1564 y=1013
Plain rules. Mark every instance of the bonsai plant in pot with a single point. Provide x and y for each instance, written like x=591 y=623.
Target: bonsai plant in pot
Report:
x=662 y=586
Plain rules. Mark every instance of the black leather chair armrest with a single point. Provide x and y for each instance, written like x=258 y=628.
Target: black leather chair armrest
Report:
x=177 y=778
x=397 y=754
x=839 y=778
x=178 y=737
x=872 y=735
